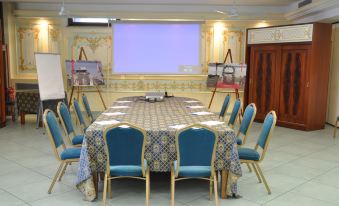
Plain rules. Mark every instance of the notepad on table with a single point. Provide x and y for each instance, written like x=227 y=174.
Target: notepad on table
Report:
x=202 y=113
x=119 y=107
x=179 y=126
x=107 y=122
x=113 y=113
x=195 y=107
x=212 y=123
x=191 y=101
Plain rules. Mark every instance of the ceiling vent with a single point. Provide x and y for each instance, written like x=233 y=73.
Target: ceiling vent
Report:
x=304 y=3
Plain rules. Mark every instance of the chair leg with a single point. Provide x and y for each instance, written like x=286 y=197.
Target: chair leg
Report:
x=63 y=171
x=55 y=177
x=216 y=191
x=256 y=172
x=104 y=192
x=172 y=187
x=147 y=187
x=211 y=187
x=109 y=182
x=263 y=178
x=335 y=129
x=249 y=167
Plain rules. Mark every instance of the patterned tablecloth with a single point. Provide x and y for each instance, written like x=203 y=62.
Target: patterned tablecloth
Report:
x=156 y=119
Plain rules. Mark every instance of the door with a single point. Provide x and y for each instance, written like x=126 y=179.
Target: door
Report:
x=264 y=62
x=293 y=95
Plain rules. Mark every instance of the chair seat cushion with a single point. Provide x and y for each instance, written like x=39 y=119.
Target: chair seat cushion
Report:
x=239 y=141
x=77 y=139
x=70 y=153
x=193 y=171
x=126 y=170
x=248 y=154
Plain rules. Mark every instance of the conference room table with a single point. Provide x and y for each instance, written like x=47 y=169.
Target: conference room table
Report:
x=160 y=120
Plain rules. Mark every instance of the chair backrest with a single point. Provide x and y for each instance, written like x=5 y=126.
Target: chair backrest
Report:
x=225 y=106
x=53 y=131
x=266 y=132
x=196 y=146
x=246 y=123
x=125 y=145
x=78 y=113
x=66 y=120
x=87 y=108
x=235 y=112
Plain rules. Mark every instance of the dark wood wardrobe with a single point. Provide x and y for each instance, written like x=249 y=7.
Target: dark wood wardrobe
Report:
x=288 y=71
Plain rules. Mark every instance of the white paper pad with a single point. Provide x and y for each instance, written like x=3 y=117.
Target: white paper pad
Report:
x=191 y=101
x=179 y=126
x=195 y=107
x=113 y=113
x=119 y=107
x=123 y=101
x=202 y=113
x=212 y=123
x=108 y=122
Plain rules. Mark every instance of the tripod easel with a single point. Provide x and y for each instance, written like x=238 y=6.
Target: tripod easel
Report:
x=81 y=54
x=215 y=90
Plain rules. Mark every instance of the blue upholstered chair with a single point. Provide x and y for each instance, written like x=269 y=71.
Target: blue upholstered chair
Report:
x=87 y=108
x=195 y=146
x=235 y=113
x=67 y=124
x=254 y=156
x=64 y=155
x=246 y=123
x=79 y=116
x=224 y=106
x=125 y=147
x=335 y=127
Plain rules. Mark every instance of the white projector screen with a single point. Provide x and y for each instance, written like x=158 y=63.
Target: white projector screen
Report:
x=156 y=48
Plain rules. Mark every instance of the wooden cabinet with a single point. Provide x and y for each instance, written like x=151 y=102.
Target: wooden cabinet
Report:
x=290 y=76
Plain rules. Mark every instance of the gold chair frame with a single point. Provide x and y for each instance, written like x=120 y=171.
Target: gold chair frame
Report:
x=212 y=179
x=72 y=134
x=63 y=163
x=255 y=164
x=336 y=126
x=145 y=173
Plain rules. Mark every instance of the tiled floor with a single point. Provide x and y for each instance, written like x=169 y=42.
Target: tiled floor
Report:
x=302 y=168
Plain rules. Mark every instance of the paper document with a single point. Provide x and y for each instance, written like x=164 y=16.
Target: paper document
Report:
x=202 y=113
x=179 y=126
x=195 y=107
x=119 y=107
x=191 y=101
x=113 y=113
x=107 y=122
x=212 y=123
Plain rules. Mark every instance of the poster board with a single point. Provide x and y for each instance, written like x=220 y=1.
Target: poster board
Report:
x=229 y=75
x=84 y=73
x=51 y=85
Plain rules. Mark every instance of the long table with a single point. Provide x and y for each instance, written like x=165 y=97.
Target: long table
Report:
x=157 y=119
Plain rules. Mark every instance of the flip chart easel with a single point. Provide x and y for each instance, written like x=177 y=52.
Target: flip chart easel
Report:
x=81 y=54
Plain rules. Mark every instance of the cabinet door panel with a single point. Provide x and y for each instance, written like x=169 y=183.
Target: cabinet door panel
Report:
x=263 y=66
x=293 y=84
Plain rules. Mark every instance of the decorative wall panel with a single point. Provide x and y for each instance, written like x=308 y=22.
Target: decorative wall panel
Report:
x=297 y=33
x=31 y=38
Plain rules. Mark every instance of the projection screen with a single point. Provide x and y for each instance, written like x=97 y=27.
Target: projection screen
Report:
x=156 y=48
